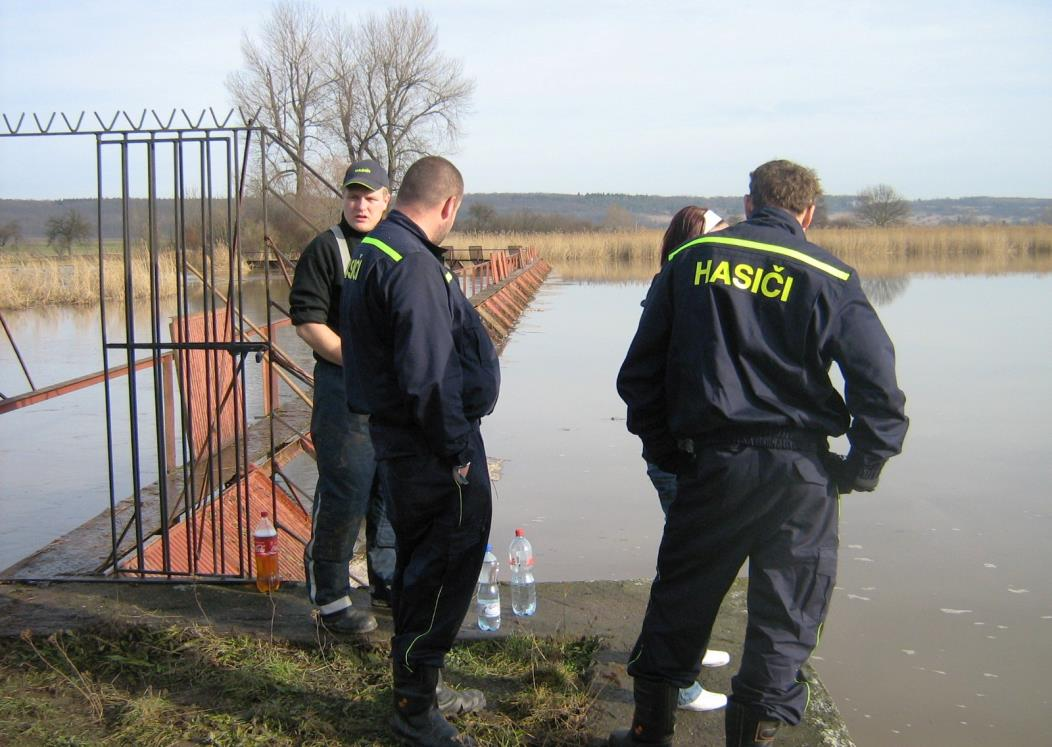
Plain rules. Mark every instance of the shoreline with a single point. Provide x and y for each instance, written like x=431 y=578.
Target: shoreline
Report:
x=611 y=611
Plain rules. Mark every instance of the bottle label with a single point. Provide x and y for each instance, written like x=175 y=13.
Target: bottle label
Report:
x=265 y=545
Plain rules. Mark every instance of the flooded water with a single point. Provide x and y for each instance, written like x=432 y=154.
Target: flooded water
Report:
x=53 y=456
x=940 y=626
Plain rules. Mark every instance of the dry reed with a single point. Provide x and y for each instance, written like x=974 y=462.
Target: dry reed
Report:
x=40 y=280
x=633 y=255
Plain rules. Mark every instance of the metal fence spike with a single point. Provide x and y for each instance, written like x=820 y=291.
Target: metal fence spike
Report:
x=135 y=127
x=103 y=124
x=160 y=124
x=44 y=128
x=18 y=125
x=193 y=125
x=76 y=127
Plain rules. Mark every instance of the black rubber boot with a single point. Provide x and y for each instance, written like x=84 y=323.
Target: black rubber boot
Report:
x=417 y=720
x=654 y=720
x=454 y=702
x=746 y=728
x=349 y=621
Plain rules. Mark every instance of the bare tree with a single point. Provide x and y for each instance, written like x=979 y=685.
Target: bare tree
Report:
x=881 y=206
x=285 y=81
x=10 y=233
x=66 y=229
x=349 y=120
x=415 y=96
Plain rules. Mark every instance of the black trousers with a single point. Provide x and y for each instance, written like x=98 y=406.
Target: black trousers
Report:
x=441 y=529
x=778 y=509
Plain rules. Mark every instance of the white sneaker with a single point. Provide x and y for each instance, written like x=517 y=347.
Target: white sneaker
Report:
x=715 y=659
x=703 y=700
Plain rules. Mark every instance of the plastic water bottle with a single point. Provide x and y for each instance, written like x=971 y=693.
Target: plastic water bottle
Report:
x=488 y=596
x=265 y=550
x=523 y=588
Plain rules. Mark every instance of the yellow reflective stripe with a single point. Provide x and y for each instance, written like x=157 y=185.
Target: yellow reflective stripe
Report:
x=383 y=248
x=430 y=627
x=807 y=259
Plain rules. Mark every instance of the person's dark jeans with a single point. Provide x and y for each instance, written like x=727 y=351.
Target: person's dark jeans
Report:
x=347 y=492
x=665 y=485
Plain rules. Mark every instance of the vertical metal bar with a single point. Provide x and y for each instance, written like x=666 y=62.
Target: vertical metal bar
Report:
x=182 y=322
x=218 y=359
x=208 y=356
x=105 y=355
x=155 y=333
x=266 y=281
x=239 y=188
x=235 y=306
x=167 y=376
x=129 y=328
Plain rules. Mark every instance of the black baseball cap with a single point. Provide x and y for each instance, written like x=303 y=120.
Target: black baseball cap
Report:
x=367 y=174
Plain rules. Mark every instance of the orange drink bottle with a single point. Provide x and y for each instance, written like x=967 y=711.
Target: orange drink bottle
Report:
x=265 y=549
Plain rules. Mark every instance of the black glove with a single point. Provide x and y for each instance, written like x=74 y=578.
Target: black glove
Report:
x=671 y=460
x=851 y=475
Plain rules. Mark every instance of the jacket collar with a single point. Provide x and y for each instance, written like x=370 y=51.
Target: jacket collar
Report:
x=777 y=218
x=401 y=219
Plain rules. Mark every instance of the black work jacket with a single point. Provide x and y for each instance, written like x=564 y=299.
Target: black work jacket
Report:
x=739 y=331
x=318 y=280
x=415 y=353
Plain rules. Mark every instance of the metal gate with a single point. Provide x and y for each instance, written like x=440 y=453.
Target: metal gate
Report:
x=197 y=471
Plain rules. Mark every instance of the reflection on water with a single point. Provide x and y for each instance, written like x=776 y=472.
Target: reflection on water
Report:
x=884 y=290
x=943 y=609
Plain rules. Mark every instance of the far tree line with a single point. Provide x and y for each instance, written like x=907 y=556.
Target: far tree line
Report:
x=876 y=206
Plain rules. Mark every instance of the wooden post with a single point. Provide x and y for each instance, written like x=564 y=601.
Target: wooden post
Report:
x=168 y=385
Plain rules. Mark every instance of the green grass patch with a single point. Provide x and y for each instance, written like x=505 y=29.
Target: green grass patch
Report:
x=142 y=686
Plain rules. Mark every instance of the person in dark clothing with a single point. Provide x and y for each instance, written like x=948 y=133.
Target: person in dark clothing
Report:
x=688 y=223
x=420 y=362
x=727 y=385
x=348 y=489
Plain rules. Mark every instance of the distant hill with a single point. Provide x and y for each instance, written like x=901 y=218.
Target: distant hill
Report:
x=655 y=210
x=648 y=210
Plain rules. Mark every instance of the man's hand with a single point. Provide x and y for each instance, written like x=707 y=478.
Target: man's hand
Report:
x=849 y=474
x=460 y=473
x=322 y=340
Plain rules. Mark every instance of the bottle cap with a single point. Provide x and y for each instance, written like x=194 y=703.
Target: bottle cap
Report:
x=520 y=533
x=264 y=514
x=489 y=548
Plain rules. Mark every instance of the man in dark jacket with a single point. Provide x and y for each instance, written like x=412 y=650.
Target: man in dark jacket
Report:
x=347 y=488
x=727 y=385
x=417 y=357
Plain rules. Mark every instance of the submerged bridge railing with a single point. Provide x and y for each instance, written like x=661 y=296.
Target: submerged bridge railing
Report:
x=204 y=533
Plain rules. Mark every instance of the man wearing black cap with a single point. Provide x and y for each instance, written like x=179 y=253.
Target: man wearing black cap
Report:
x=347 y=487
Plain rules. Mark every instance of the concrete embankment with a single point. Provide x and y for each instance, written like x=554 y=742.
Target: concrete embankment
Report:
x=612 y=610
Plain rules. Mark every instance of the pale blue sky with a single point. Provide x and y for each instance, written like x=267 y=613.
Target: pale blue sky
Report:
x=938 y=98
